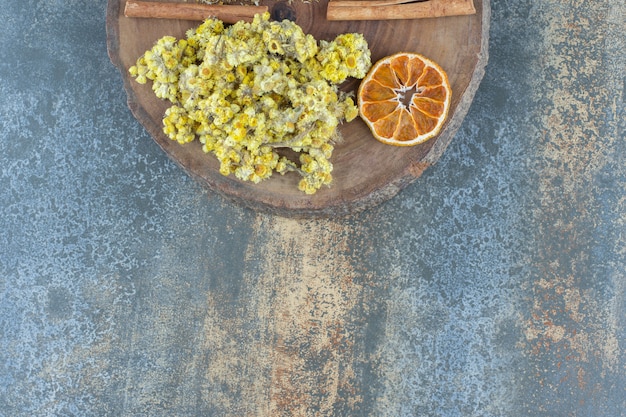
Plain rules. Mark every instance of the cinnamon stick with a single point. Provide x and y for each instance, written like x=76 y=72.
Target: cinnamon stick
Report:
x=383 y=10
x=191 y=11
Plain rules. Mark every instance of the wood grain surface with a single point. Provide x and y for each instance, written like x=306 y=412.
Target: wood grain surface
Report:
x=366 y=172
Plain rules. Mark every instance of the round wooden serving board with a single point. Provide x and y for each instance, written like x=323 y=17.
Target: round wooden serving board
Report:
x=366 y=172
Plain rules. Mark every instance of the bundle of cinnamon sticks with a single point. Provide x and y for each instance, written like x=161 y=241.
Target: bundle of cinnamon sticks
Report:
x=337 y=10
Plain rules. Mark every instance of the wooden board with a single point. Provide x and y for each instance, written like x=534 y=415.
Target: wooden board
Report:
x=366 y=172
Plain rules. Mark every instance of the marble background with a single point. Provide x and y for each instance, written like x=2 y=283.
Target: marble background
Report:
x=492 y=286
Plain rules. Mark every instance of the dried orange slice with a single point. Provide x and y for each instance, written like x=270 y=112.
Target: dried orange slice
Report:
x=404 y=99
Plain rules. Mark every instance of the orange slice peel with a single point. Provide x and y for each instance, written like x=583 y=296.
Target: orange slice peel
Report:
x=405 y=99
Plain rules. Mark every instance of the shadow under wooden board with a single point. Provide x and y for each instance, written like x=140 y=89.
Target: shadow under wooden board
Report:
x=366 y=172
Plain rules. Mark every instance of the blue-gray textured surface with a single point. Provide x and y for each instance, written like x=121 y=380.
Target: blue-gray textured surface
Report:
x=492 y=286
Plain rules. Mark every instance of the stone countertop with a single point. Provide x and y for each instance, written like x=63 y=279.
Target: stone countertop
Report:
x=492 y=286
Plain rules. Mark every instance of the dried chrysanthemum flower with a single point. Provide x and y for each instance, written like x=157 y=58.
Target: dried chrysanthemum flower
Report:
x=248 y=90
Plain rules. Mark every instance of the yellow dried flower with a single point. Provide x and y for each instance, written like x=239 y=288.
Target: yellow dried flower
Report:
x=248 y=89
